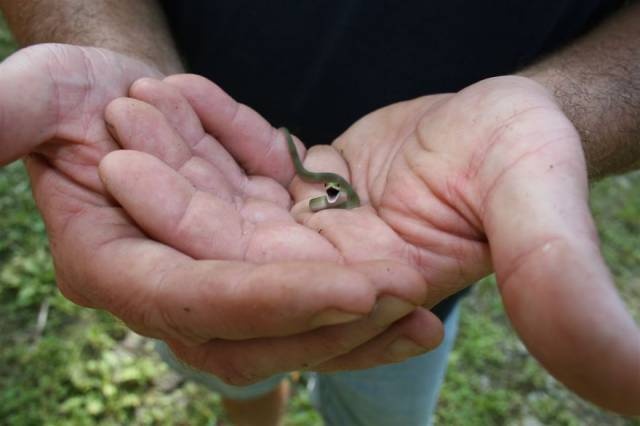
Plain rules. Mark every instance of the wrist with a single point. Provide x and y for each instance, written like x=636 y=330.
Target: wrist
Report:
x=136 y=29
x=603 y=110
x=595 y=80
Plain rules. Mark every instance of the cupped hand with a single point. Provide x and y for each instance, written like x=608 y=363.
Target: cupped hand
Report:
x=490 y=178
x=238 y=318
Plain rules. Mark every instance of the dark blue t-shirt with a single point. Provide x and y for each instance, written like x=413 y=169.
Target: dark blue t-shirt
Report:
x=318 y=66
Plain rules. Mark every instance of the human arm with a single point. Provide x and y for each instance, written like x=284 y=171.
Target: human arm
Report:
x=133 y=28
x=596 y=81
x=134 y=31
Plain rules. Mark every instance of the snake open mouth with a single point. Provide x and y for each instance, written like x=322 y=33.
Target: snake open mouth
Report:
x=332 y=194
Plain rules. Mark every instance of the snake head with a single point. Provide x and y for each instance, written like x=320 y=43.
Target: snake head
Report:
x=335 y=198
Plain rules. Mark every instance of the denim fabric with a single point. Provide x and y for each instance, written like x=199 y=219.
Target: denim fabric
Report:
x=398 y=394
x=215 y=384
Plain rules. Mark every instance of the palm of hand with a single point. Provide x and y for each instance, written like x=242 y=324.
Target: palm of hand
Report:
x=423 y=168
x=180 y=184
x=253 y=221
x=214 y=210
x=409 y=215
x=56 y=96
x=493 y=177
x=440 y=177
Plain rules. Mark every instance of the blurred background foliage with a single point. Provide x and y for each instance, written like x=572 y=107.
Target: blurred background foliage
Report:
x=62 y=364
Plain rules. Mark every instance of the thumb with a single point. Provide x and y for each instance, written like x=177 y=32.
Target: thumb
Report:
x=28 y=102
x=58 y=91
x=555 y=285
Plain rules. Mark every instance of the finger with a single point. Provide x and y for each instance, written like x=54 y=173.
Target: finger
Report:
x=234 y=300
x=439 y=262
x=139 y=126
x=29 y=97
x=199 y=223
x=180 y=115
x=162 y=293
x=413 y=335
x=249 y=361
x=252 y=141
x=167 y=99
x=554 y=283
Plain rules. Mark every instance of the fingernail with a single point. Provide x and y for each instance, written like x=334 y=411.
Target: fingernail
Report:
x=404 y=348
x=333 y=316
x=388 y=309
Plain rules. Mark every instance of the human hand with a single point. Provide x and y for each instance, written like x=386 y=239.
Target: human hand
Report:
x=492 y=177
x=184 y=189
x=55 y=97
x=446 y=181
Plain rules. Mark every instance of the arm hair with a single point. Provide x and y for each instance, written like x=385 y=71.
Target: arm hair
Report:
x=596 y=80
x=134 y=27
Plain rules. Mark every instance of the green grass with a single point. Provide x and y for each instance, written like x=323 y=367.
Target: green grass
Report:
x=86 y=368
x=491 y=377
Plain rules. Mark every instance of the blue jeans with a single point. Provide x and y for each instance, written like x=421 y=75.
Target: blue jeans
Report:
x=397 y=394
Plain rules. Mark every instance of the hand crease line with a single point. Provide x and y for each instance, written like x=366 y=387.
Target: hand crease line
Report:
x=517 y=262
x=497 y=180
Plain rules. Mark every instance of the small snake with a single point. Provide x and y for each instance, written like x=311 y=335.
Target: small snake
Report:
x=340 y=194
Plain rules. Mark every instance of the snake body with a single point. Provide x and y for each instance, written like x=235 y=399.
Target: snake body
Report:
x=339 y=193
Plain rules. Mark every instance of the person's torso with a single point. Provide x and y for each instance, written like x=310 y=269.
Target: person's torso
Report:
x=318 y=66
